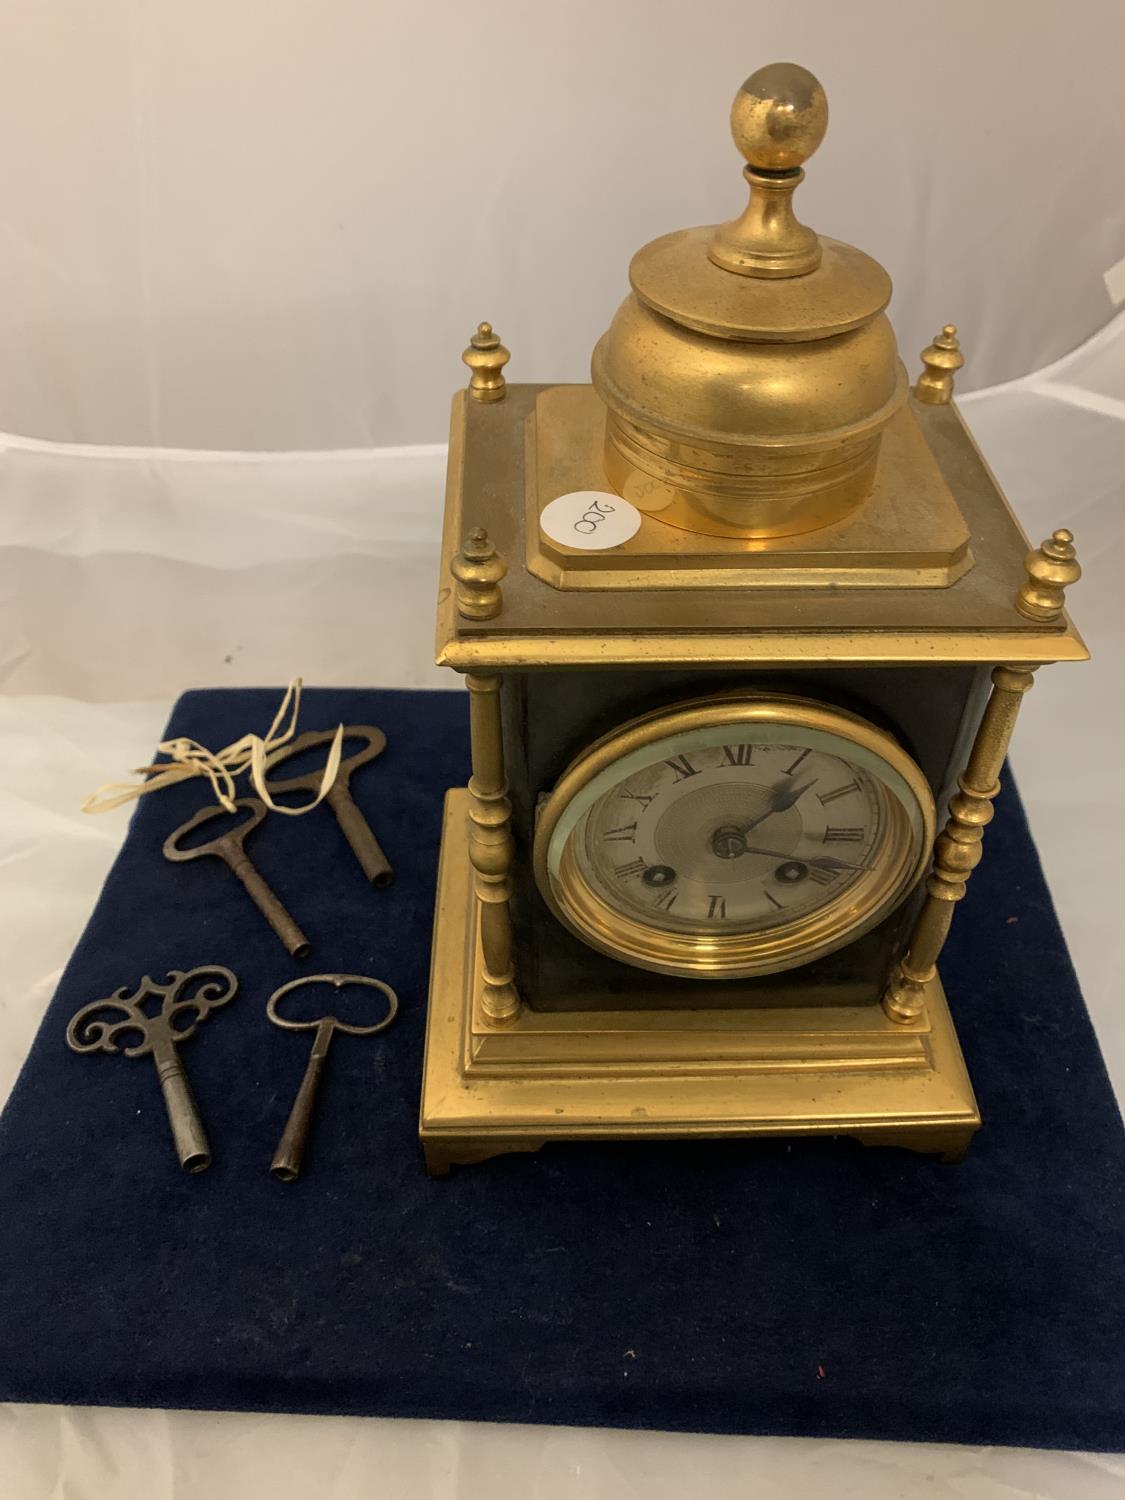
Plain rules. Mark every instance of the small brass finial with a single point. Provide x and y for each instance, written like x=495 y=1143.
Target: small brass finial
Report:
x=778 y=119
x=478 y=569
x=486 y=358
x=1051 y=568
x=941 y=360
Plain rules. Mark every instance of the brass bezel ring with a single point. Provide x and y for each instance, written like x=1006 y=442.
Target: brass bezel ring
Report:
x=906 y=802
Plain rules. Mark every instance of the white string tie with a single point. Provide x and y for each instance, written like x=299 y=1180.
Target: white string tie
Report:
x=187 y=758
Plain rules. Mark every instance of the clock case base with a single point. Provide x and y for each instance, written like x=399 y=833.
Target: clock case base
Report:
x=489 y=1089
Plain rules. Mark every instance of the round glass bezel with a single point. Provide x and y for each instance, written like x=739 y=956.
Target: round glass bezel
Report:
x=900 y=857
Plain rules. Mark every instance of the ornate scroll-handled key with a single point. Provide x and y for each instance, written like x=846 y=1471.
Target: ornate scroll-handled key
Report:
x=286 y=1163
x=356 y=829
x=199 y=991
x=229 y=848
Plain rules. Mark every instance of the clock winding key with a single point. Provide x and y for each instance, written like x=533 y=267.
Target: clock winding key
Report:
x=229 y=848
x=286 y=1164
x=356 y=829
x=199 y=991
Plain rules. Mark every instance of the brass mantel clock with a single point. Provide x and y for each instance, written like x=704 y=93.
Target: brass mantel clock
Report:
x=743 y=622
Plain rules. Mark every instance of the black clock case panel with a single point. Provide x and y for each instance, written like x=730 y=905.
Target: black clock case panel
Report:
x=550 y=716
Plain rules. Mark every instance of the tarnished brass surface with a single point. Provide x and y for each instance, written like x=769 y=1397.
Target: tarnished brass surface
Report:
x=1051 y=568
x=638 y=619
x=486 y=358
x=752 y=368
x=673 y=276
x=910 y=533
x=778 y=119
x=634 y=1075
x=940 y=362
x=958 y=850
x=478 y=569
x=490 y=849
x=801 y=510
x=771 y=439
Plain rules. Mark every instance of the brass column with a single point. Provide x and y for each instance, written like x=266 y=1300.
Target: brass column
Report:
x=958 y=848
x=1049 y=568
x=490 y=847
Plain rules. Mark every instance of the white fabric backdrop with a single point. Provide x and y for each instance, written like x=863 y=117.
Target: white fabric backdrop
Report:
x=128 y=576
x=273 y=224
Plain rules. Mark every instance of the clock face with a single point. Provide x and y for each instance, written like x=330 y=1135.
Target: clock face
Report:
x=733 y=836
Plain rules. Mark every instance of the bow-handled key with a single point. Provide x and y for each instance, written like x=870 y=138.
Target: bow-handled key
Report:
x=229 y=848
x=286 y=1162
x=90 y=1031
x=356 y=829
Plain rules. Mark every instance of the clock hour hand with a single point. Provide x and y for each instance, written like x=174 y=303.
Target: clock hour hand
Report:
x=782 y=798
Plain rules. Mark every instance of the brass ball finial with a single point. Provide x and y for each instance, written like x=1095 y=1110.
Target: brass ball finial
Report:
x=779 y=117
x=478 y=569
x=940 y=361
x=1051 y=568
x=486 y=358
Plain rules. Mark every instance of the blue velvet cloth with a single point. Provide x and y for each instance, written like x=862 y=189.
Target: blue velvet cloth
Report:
x=816 y=1288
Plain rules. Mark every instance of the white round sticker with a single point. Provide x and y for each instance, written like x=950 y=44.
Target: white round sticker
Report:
x=590 y=519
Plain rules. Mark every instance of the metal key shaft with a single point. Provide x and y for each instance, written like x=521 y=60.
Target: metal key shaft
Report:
x=356 y=829
x=290 y=1151
x=188 y=1134
x=229 y=848
x=286 y=1164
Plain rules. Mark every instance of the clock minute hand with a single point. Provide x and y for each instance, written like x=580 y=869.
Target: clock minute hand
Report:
x=828 y=860
x=782 y=799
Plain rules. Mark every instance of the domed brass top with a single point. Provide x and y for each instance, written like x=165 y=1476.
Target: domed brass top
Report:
x=751 y=371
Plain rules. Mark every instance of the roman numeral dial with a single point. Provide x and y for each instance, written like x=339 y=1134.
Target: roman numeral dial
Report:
x=769 y=837
x=681 y=768
x=738 y=755
x=626 y=831
x=739 y=834
x=824 y=798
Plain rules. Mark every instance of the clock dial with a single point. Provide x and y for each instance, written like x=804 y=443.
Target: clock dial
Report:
x=734 y=837
x=739 y=836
